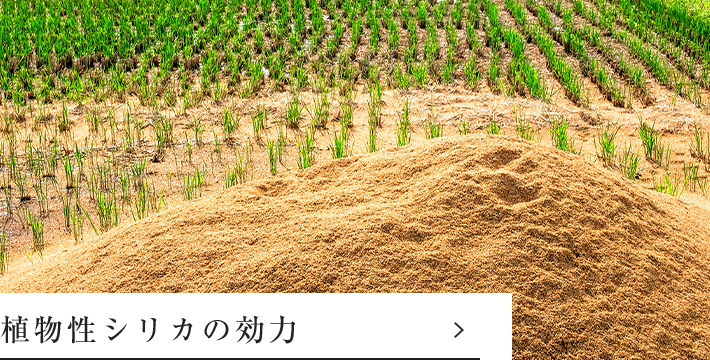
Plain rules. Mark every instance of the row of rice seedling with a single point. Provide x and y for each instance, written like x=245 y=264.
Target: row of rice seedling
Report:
x=236 y=56
x=522 y=72
x=570 y=37
x=651 y=21
x=563 y=70
x=684 y=25
x=494 y=38
x=229 y=48
x=471 y=71
x=634 y=75
x=641 y=25
x=655 y=62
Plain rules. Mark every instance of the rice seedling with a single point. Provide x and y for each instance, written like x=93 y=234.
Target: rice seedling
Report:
x=560 y=139
x=449 y=68
x=37 y=226
x=419 y=73
x=138 y=125
x=672 y=185
x=431 y=45
x=629 y=162
x=346 y=111
x=306 y=149
x=138 y=171
x=7 y=190
x=522 y=127
x=321 y=109
x=21 y=184
x=239 y=174
x=493 y=128
x=472 y=38
x=41 y=196
x=272 y=148
x=653 y=147
x=63 y=122
x=282 y=140
x=464 y=127
x=107 y=209
x=392 y=36
x=163 y=129
x=259 y=121
x=94 y=120
x=79 y=154
x=606 y=136
x=113 y=126
x=198 y=128
x=702 y=184
x=77 y=221
x=494 y=81
x=372 y=135
x=141 y=203
x=700 y=144
x=690 y=172
x=433 y=129
x=4 y=242
x=339 y=147
x=422 y=14
x=374 y=104
x=147 y=200
x=293 y=110
x=230 y=123
x=471 y=73
x=192 y=185
x=404 y=126
x=128 y=142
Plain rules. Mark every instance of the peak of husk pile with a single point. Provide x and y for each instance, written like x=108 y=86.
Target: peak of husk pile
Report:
x=598 y=266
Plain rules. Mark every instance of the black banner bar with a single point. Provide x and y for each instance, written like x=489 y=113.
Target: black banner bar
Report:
x=148 y=329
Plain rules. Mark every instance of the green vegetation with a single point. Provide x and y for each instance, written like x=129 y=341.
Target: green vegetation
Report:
x=606 y=136
x=306 y=149
x=239 y=174
x=571 y=39
x=100 y=99
x=493 y=128
x=672 y=185
x=653 y=147
x=339 y=148
x=629 y=162
x=700 y=145
x=37 y=226
x=404 y=135
x=3 y=252
x=560 y=139
x=464 y=127
x=433 y=129
x=523 y=128
x=568 y=77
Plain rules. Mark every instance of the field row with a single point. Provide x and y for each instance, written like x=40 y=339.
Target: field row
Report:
x=102 y=167
x=166 y=50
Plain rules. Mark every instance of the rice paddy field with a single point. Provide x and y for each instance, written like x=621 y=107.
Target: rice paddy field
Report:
x=112 y=112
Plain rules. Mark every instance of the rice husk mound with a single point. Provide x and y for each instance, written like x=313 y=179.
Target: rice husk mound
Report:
x=598 y=266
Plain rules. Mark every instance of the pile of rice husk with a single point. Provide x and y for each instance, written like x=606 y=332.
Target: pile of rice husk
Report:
x=598 y=266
